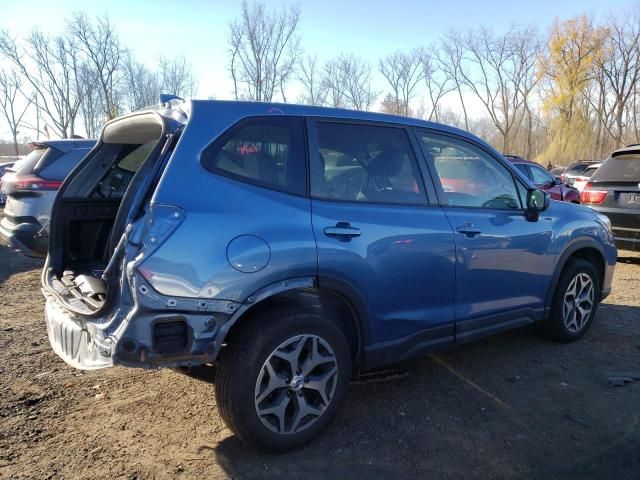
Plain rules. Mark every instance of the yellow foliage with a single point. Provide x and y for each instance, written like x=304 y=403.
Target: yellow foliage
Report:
x=575 y=47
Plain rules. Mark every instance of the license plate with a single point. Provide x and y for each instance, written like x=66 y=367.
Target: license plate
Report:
x=634 y=198
x=8 y=205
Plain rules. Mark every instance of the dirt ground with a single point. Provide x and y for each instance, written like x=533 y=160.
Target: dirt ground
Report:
x=512 y=406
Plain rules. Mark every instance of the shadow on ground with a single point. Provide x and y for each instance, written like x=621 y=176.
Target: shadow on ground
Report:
x=14 y=262
x=515 y=405
x=628 y=259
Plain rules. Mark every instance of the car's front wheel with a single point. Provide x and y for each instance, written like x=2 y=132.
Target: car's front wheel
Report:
x=282 y=377
x=575 y=302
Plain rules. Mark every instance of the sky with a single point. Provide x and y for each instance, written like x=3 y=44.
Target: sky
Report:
x=197 y=29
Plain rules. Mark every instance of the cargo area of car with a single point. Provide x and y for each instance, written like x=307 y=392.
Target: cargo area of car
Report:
x=90 y=215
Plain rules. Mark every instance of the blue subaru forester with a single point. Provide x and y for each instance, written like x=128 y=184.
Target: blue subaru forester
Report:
x=291 y=246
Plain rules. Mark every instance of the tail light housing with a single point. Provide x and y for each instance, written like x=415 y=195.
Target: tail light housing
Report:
x=592 y=196
x=29 y=183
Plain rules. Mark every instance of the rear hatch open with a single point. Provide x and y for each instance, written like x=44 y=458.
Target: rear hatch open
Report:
x=96 y=207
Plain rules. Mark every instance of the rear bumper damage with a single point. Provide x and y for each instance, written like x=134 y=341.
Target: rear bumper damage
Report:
x=153 y=331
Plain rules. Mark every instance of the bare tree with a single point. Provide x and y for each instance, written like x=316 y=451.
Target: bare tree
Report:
x=437 y=80
x=333 y=84
x=347 y=80
x=47 y=64
x=497 y=68
x=141 y=86
x=176 y=77
x=450 y=62
x=10 y=93
x=101 y=46
x=618 y=72
x=315 y=92
x=263 y=51
x=403 y=73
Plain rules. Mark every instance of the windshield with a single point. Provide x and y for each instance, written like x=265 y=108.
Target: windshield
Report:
x=624 y=168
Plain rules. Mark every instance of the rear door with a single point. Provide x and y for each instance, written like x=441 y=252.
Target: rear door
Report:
x=504 y=262
x=378 y=231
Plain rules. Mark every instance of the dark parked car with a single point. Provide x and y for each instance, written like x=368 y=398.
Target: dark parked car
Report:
x=544 y=180
x=293 y=245
x=30 y=186
x=614 y=190
x=575 y=169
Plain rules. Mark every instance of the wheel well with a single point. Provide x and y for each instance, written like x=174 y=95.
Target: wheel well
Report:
x=327 y=303
x=594 y=257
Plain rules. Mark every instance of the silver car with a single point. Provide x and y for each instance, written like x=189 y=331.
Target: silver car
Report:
x=30 y=187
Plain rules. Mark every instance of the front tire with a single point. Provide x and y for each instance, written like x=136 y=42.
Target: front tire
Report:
x=574 y=303
x=282 y=377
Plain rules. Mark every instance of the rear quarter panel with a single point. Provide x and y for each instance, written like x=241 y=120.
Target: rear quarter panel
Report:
x=193 y=261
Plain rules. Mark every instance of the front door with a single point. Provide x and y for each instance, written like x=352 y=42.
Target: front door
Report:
x=504 y=261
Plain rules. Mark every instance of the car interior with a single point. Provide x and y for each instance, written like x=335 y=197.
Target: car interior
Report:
x=89 y=220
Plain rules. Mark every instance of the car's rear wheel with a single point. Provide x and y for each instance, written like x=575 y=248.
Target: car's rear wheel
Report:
x=282 y=377
x=574 y=303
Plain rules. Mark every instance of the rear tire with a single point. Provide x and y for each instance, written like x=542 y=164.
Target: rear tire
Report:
x=574 y=303
x=282 y=378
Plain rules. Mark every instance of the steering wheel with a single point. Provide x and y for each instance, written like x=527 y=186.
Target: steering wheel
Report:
x=502 y=202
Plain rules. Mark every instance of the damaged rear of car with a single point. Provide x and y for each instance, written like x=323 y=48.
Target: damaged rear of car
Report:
x=103 y=225
x=149 y=255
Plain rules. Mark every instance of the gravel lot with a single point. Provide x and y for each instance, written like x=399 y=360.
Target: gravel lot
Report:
x=511 y=406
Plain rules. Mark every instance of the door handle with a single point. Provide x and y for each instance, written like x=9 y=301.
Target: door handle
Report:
x=469 y=230
x=343 y=231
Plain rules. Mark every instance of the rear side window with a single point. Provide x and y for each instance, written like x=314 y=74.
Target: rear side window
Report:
x=265 y=151
x=364 y=163
x=576 y=168
x=622 y=168
x=26 y=165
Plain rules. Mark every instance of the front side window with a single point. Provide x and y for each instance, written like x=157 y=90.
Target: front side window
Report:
x=469 y=176
x=267 y=151
x=364 y=163
x=540 y=176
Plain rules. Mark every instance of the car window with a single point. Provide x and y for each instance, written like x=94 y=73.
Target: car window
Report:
x=590 y=171
x=540 y=175
x=576 y=168
x=523 y=168
x=365 y=163
x=266 y=151
x=622 y=168
x=127 y=160
x=469 y=176
x=61 y=167
x=27 y=164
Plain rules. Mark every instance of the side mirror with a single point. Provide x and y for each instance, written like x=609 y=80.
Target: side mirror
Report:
x=557 y=181
x=537 y=201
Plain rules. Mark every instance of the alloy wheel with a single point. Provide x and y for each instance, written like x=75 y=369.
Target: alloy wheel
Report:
x=578 y=302
x=296 y=384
